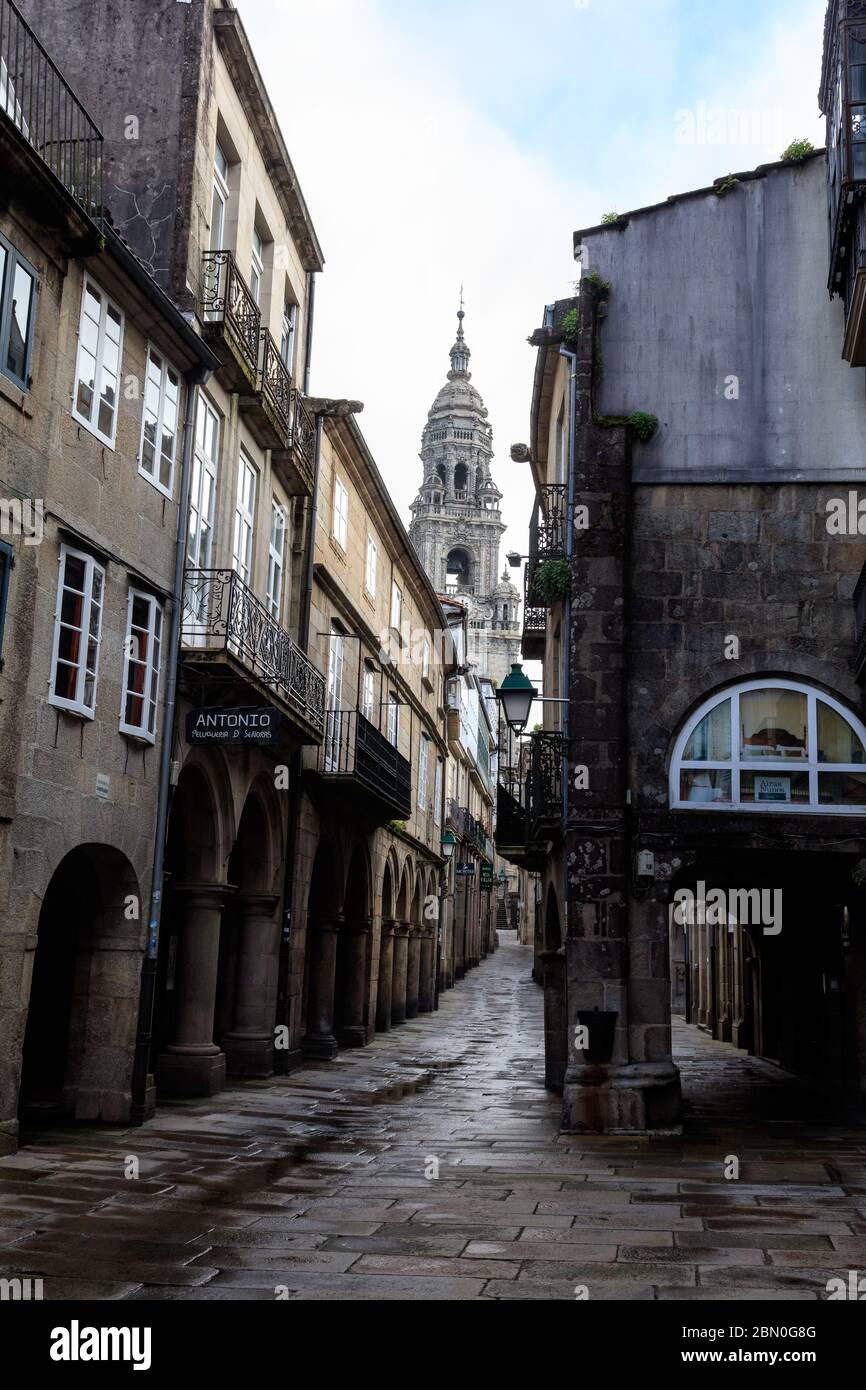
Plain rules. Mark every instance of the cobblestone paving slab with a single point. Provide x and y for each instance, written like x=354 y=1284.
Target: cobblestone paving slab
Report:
x=321 y=1186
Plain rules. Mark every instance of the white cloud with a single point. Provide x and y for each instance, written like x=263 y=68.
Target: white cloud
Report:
x=413 y=189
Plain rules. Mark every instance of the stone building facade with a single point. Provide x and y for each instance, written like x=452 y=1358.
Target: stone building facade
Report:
x=456 y=522
x=98 y=381
x=710 y=762
x=366 y=953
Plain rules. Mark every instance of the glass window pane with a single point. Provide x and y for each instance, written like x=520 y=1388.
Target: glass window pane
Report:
x=773 y=724
x=710 y=784
x=19 y=326
x=775 y=788
x=842 y=788
x=857 y=80
x=711 y=740
x=837 y=741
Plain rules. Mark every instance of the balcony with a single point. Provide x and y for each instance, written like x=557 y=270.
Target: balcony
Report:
x=232 y=322
x=228 y=633
x=359 y=768
x=43 y=109
x=859 y=599
x=279 y=420
x=553 y=511
x=511 y=836
x=534 y=621
x=545 y=785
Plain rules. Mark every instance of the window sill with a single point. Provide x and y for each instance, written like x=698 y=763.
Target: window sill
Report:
x=16 y=396
x=338 y=550
x=135 y=736
x=86 y=425
x=427 y=684
x=76 y=711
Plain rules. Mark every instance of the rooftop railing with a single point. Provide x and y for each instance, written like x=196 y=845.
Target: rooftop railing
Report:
x=40 y=104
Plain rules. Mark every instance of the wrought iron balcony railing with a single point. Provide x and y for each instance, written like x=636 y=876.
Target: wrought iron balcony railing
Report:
x=226 y=299
x=221 y=613
x=303 y=434
x=275 y=382
x=355 y=748
x=546 y=780
x=43 y=108
x=552 y=520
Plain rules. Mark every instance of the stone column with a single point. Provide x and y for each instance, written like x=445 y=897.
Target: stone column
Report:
x=386 y=972
x=353 y=1030
x=319 y=1040
x=427 y=982
x=450 y=465
x=398 y=978
x=249 y=1046
x=555 y=1020
x=413 y=971
x=192 y=1065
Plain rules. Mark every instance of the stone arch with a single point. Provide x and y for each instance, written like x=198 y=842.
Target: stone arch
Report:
x=83 y=1005
x=460 y=568
x=324 y=909
x=552 y=921
x=404 y=895
x=354 y=952
x=390 y=882
x=249 y=937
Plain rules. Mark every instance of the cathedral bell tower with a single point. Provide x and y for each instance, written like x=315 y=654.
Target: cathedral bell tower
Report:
x=456 y=522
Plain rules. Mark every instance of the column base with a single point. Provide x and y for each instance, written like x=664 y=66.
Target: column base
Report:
x=249 y=1056
x=190 y=1074
x=353 y=1035
x=286 y=1061
x=631 y=1098
x=321 y=1047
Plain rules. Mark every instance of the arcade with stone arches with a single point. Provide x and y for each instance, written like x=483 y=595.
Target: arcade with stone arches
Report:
x=219 y=943
x=370 y=942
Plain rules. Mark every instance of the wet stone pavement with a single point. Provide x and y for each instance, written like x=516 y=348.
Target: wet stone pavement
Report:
x=319 y=1185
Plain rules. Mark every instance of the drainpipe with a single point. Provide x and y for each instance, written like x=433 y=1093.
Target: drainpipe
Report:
x=147 y=995
x=297 y=763
x=571 y=358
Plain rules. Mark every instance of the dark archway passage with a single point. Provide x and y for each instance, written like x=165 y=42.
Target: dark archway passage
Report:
x=779 y=976
x=81 y=1017
x=354 y=942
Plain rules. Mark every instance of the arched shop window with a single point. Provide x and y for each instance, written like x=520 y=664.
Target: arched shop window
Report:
x=771 y=745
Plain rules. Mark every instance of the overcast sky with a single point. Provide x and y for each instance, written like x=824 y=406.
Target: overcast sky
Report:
x=440 y=141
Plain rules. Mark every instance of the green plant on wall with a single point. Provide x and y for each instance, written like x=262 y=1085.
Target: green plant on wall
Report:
x=595 y=282
x=571 y=328
x=551 y=582
x=643 y=425
x=609 y=218
x=397 y=827
x=724 y=186
x=798 y=150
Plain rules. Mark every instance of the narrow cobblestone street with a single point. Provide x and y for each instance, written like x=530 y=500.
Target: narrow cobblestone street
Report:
x=315 y=1184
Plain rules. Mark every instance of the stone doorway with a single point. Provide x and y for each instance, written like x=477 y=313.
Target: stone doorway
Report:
x=83 y=1006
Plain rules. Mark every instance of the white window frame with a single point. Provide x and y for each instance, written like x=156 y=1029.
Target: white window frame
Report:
x=257 y=266
x=396 y=605
x=368 y=693
x=393 y=727
x=736 y=765
x=287 y=337
x=166 y=368
x=106 y=303
x=423 y=758
x=437 y=794
x=78 y=705
x=245 y=520
x=425 y=659
x=276 y=559
x=372 y=566
x=340 y=523
x=150 y=695
x=204 y=467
